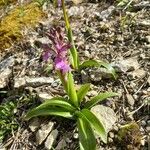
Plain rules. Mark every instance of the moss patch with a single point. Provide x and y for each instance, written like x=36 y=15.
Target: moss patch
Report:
x=13 y=23
x=129 y=136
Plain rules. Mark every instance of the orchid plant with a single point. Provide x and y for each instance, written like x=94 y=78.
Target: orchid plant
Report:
x=74 y=105
x=76 y=64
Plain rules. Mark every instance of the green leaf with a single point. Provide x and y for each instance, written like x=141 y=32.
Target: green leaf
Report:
x=82 y=92
x=57 y=111
x=89 y=63
x=55 y=106
x=72 y=91
x=94 y=63
x=87 y=139
x=109 y=68
x=59 y=101
x=95 y=123
x=102 y=96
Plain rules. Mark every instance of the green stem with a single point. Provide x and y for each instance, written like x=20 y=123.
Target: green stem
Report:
x=73 y=50
x=63 y=80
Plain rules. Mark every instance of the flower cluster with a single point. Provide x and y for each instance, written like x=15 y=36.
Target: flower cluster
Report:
x=59 y=50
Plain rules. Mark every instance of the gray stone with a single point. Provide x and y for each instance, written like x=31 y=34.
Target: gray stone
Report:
x=106 y=13
x=8 y=62
x=76 y=135
x=86 y=53
x=143 y=142
x=61 y=145
x=148 y=122
x=34 y=124
x=143 y=123
x=38 y=81
x=51 y=139
x=4 y=77
x=148 y=38
x=148 y=128
x=33 y=82
x=106 y=115
x=96 y=74
x=76 y=11
x=19 y=82
x=42 y=133
x=148 y=80
x=2 y=148
x=142 y=4
x=124 y=65
x=77 y=1
x=92 y=93
x=130 y=99
x=110 y=140
x=111 y=134
x=144 y=23
x=139 y=73
x=44 y=96
x=6 y=71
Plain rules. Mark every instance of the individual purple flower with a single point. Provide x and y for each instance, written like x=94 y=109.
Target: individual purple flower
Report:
x=62 y=65
x=60 y=47
x=59 y=3
x=46 y=54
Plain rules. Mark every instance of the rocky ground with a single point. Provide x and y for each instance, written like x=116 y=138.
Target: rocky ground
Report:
x=115 y=32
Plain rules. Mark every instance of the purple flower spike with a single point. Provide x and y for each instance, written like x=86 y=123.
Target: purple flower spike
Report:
x=60 y=50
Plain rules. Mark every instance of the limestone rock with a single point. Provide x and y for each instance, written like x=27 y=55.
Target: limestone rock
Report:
x=33 y=82
x=124 y=65
x=6 y=71
x=42 y=133
x=34 y=124
x=106 y=115
x=51 y=139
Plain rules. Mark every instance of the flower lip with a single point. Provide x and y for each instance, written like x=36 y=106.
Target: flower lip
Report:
x=61 y=64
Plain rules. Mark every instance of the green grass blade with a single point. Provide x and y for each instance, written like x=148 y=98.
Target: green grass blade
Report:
x=95 y=123
x=102 y=96
x=87 y=139
x=82 y=92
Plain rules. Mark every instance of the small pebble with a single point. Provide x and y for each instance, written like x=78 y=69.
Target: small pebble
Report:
x=68 y=140
x=92 y=93
x=87 y=54
x=110 y=140
x=143 y=142
x=148 y=122
x=111 y=134
x=148 y=128
x=116 y=128
x=135 y=96
x=143 y=122
x=76 y=135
